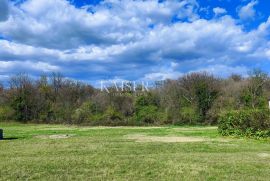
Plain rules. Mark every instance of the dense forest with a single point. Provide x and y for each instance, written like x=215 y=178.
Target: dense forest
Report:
x=194 y=99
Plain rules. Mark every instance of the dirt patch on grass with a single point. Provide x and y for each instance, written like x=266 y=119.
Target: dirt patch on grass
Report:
x=55 y=136
x=165 y=139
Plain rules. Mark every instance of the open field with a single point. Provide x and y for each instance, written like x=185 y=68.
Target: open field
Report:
x=57 y=152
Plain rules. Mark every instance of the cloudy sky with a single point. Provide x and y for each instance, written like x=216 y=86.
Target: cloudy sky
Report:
x=92 y=40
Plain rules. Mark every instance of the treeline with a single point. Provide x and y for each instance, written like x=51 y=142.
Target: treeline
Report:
x=196 y=98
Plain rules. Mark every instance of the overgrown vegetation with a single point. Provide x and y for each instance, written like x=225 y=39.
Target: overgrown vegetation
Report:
x=250 y=122
x=194 y=99
x=252 y=118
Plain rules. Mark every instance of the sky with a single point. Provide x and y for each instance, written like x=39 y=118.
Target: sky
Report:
x=93 y=40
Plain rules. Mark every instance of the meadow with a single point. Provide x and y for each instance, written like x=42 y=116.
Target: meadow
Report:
x=61 y=152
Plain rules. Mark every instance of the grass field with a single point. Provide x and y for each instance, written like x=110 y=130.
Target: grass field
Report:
x=56 y=152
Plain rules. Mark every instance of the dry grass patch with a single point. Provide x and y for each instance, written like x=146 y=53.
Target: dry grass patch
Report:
x=119 y=127
x=264 y=155
x=57 y=129
x=165 y=139
x=195 y=128
x=55 y=136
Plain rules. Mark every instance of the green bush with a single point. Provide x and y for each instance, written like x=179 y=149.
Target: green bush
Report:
x=96 y=118
x=148 y=114
x=146 y=100
x=85 y=113
x=147 y=110
x=88 y=115
x=111 y=114
x=248 y=122
x=6 y=113
x=189 y=115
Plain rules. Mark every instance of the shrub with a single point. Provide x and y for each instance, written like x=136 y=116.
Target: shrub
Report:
x=147 y=114
x=6 y=113
x=111 y=114
x=147 y=110
x=146 y=100
x=84 y=112
x=189 y=115
x=248 y=122
x=96 y=118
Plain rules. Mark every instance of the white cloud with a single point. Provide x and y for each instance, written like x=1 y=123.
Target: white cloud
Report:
x=248 y=11
x=219 y=11
x=51 y=23
x=7 y=66
x=115 y=40
x=162 y=75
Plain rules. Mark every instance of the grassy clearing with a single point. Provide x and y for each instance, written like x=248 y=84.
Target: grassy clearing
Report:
x=57 y=152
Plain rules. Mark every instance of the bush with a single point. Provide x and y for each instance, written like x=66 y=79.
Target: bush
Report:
x=111 y=114
x=146 y=100
x=147 y=110
x=189 y=115
x=84 y=112
x=250 y=122
x=148 y=114
x=6 y=113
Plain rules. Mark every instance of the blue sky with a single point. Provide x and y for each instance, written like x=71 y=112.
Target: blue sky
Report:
x=92 y=40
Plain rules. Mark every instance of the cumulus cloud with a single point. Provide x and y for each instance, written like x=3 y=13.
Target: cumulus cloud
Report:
x=7 y=66
x=248 y=11
x=219 y=11
x=127 y=40
x=58 y=24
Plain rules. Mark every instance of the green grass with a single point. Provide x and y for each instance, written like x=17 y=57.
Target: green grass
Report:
x=101 y=153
